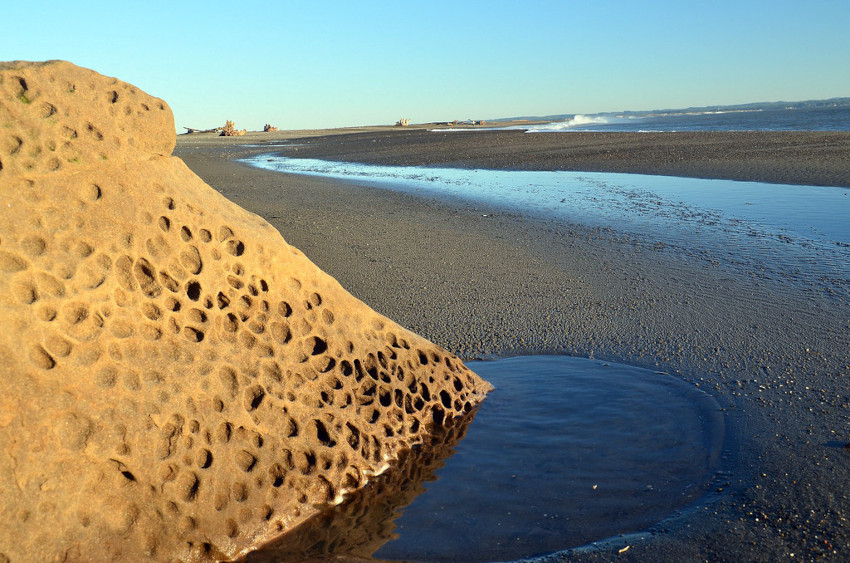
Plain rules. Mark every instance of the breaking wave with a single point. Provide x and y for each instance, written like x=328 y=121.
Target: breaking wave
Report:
x=578 y=121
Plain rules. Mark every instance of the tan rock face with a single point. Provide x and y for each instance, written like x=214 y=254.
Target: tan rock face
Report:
x=177 y=381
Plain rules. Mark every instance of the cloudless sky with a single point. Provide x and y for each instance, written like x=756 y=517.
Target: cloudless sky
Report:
x=313 y=63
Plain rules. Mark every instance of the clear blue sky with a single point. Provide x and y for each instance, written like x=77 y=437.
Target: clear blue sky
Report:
x=313 y=63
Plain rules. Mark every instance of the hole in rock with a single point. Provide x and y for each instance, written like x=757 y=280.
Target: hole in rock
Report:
x=193 y=290
x=205 y=459
x=276 y=473
x=309 y=463
x=564 y=452
x=315 y=345
x=254 y=397
x=235 y=247
x=353 y=436
x=94 y=131
x=48 y=110
x=438 y=415
x=293 y=428
x=144 y=273
x=193 y=334
x=284 y=309
x=424 y=391
x=446 y=399
x=322 y=434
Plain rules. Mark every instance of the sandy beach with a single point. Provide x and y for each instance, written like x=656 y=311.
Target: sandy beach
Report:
x=814 y=158
x=485 y=283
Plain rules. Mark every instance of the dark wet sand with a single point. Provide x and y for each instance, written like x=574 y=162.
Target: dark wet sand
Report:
x=798 y=157
x=481 y=283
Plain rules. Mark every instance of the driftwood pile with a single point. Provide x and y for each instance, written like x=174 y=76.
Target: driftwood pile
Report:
x=190 y=130
x=229 y=130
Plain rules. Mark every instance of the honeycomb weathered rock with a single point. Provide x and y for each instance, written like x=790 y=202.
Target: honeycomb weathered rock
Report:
x=178 y=382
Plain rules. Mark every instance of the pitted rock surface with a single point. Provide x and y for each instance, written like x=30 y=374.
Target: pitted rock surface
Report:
x=178 y=382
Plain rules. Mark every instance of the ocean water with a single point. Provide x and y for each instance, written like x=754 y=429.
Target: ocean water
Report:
x=794 y=234
x=768 y=119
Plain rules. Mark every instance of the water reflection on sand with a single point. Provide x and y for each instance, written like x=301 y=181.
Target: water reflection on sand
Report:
x=796 y=234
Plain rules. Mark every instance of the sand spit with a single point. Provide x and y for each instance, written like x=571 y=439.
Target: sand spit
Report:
x=775 y=355
x=179 y=383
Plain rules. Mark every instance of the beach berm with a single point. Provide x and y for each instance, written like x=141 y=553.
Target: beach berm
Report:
x=179 y=383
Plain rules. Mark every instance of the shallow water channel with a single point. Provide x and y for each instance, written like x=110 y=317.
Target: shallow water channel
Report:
x=797 y=234
x=565 y=451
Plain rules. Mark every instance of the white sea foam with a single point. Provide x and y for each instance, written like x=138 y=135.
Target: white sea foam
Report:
x=577 y=122
x=695 y=119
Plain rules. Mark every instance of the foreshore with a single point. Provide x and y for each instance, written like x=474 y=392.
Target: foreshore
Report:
x=483 y=283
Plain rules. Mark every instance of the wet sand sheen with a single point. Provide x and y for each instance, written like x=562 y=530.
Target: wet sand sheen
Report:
x=781 y=230
x=774 y=356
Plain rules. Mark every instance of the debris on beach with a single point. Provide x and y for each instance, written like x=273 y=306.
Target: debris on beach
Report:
x=190 y=130
x=229 y=130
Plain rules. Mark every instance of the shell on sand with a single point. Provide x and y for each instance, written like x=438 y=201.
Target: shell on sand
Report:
x=177 y=381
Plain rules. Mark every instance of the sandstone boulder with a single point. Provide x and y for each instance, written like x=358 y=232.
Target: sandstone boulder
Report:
x=178 y=383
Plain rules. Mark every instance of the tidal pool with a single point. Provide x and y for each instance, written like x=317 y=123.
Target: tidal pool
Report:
x=562 y=453
x=565 y=451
